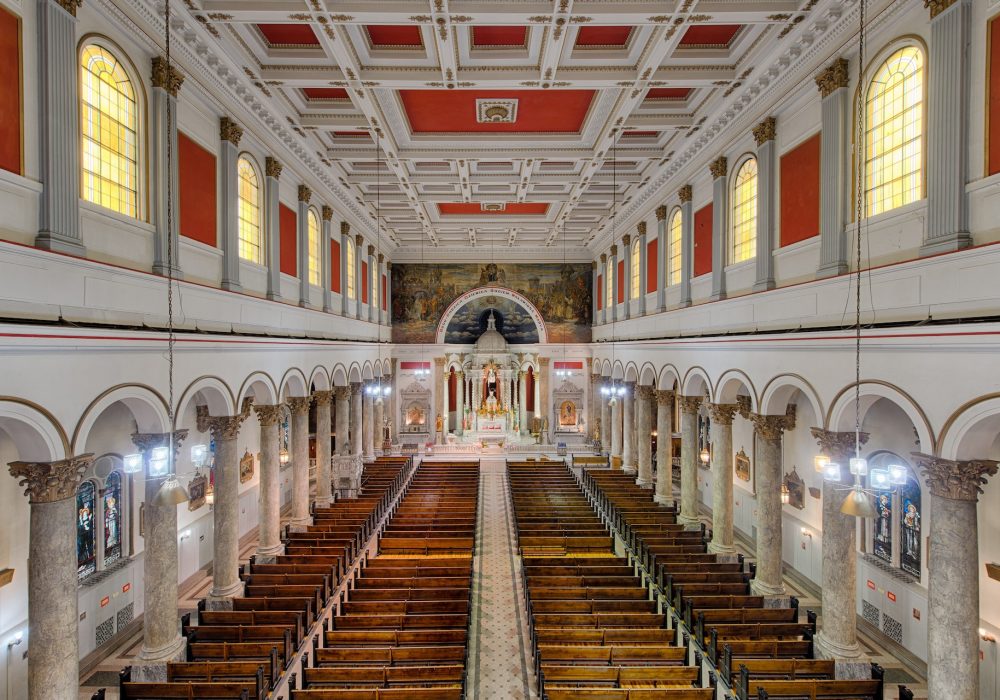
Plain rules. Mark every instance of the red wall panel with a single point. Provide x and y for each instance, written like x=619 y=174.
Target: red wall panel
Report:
x=335 y=266
x=621 y=281
x=703 y=240
x=197 y=193
x=10 y=91
x=287 y=225
x=600 y=292
x=799 y=192
x=652 y=259
x=993 y=98
x=529 y=390
x=364 y=282
x=452 y=391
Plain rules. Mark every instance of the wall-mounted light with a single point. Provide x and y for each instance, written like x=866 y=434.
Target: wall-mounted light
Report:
x=132 y=464
x=705 y=456
x=785 y=495
x=283 y=457
x=819 y=462
x=806 y=533
x=15 y=640
x=986 y=636
x=185 y=535
x=199 y=455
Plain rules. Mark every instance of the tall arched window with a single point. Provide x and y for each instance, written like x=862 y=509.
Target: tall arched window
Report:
x=609 y=286
x=675 y=248
x=248 y=212
x=375 y=276
x=112 y=518
x=895 y=529
x=352 y=291
x=86 y=529
x=744 y=226
x=636 y=255
x=315 y=256
x=109 y=126
x=895 y=131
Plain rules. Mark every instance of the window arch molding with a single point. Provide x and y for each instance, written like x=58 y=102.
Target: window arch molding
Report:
x=742 y=226
x=635 y=271
x=675 y=246
x=314 y=230
x=141 y=100
x=862 y=92
x=609 y=279
x=251 y=238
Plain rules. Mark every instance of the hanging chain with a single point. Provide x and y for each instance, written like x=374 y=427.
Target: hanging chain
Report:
x=170 y=240
x=860 y=167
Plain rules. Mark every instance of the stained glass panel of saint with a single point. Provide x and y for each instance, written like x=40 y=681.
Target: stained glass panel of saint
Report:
x=909 y=517
x=882 y=540
x=86 y=534
x=113 y=518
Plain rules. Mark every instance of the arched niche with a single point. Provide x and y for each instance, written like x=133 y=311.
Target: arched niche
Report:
x=518 y=320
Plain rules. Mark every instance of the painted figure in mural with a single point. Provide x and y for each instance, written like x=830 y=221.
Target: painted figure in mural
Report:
x=883 y=526
x=110 y=521
x=84 y=532
x=911 y=529
x=491 y=274
x=439 y=425
x=567 y=413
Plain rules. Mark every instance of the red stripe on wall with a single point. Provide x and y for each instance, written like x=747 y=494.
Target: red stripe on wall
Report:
x=289 y=234
x=197 y=193
x=364 y=282
x=567 y=365
x=414 y=365
x=335 y=266
x=703 y=240
x=652 y=260
x=10 y=91
x=621 y=281
x=600 y=292
x=799 y=192
x=993 y=98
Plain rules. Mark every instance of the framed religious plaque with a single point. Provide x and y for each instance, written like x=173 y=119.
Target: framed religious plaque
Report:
x=196 y=489
x=742 y=465
x=246 y=467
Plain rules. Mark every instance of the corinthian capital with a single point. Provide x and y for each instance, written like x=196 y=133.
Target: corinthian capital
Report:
x=723 y=413
x=149 y=441
x=764 y=131
x=272 y=167
x=771 y=427
x=958 y=480
x=665 y=398
x=268 y=415
x=166 y=76
x=719 y=167
x=690 y=404
x=838 y=446
x=832 y=78
x=230 y=131
x=343 y=393
x=223 y=427
x=322 y=397
x=685 y=193
x=643 y=392
x=299 y=404
x=47 y=482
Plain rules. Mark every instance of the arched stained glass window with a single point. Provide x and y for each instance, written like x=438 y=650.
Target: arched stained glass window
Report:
x=636 y=256
x=894 y=136
x=352 y=291
x=86 y=529
x=909 y=527
x=109 y=126
x=315 y=255
x=112 y=518
x=744 y=226
x=896 y=527
x=248 y=212
x=675 y=248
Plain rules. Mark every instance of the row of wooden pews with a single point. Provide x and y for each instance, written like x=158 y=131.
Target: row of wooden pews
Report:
x=402 y=630
x=597 y=633
x=244 y=652
x=757 y=649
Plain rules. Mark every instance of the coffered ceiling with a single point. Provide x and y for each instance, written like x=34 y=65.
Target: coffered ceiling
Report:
x=500 y=121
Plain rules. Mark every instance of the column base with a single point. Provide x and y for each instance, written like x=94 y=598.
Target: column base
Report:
x=323 y=502
x=766 y=589
x=688 y=522
x=685 y=303
x=161 y=270
x=630 y=469
x=644 y=483
x=831 y=270
x=59 y=243
x=717 y=296
x=150 y=666
x=946 y=244
x=223 y=599
x=232 y=285
x=763 y=285
x=716 y=548
x=662 y=499
x=848 y=655
x=268 y=553
x=298 y=525
x=273 y=296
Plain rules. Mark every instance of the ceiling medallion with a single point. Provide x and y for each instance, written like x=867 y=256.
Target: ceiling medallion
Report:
x=496 y=111
x=493 y=207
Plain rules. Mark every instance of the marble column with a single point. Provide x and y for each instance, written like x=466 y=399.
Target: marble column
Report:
x=953 y=575
x=161 y=640
x=378 y=420
x=53 y=645
x=643 y=436
x=299 y=406
x=272 y=226
x=838 y=634
x=460 y=403
x=722 y=477
x=662 y=258
x=225 y=430
x=542 y=407
x=834 y=168
x=445 y=404
x=269 y=526
x=302 y=224
x=326 y=274
x=664 y=451
x=643 y=251
x=606 y=429
x=948 y=97
x=605 y=314
x=768 y=431
x=687 y=243
x=345 y=242
x=356 y=420
x=763 y=134
x=627 y=259
x=230 y=134
x=324 y=489
x=628 y=429
x=720 y=226
x=616 y=426
x=689 y=460
x=343 y=418
x=58 y=130
x=393 y=408
x=166 y=83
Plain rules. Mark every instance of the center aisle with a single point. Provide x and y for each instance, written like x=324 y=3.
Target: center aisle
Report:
x=500 y=662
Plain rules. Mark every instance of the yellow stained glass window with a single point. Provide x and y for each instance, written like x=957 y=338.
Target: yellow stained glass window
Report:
x=609 y=280
x=675 y=248
x=248 y=212
x=351 y=289
x=376 y=278
x=636 y=259
x=744 y=232
x=109 y=125
x=315 y=257
x=894 y=136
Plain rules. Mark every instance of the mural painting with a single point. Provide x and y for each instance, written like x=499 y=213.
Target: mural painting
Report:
x=909 y=555
x=421 y=293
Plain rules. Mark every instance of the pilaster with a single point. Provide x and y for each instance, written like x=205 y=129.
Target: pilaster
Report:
x=272 y=227
x=230 y=134
x=834 y=168
x=687 y=243
x=166 y=82
x=663 y=258
x=613 y=256
x=372 y=281
x=607 y=281
x=325 y=238
x=641 y=235
x=359 y=282
x=345 y=242
x=305 y=194
x=720 y=225
x=764 y=136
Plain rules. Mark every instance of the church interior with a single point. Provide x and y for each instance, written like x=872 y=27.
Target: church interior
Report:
x=520 y=349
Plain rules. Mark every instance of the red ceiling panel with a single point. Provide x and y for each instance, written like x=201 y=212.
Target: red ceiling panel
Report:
x=387 y=36
x=511 y=209
x=603 y=36
x=538 y=111
x=639 y=133
x=710 y=34
x=668 y=93
x=352 y=134
x=499 y=37
x=318 y=93
x=289 y=34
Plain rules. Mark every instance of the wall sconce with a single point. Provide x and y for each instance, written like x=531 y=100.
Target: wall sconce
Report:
x=806 y=533
x=785 y=495
x=186 y=535
x=705 y=456
x=986 y=636
x=283 y=457
x=18 y=638
x=199 y=455
x=820 y=462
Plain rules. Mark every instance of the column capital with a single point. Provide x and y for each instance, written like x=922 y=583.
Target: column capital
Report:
x=764 y=131
x=957 y=480
x=604 y=257
x=48 y=482
x=70 y=5
x=223 y=427
x=358 y=239
x=305 y=194
x=166 y=76
x=439 y=361
x=719 y=167
x=299 y=404
x=832 y=78
x=327 y=213
x=388 y=264
x=345 y=228
x=723 y=413
x=356 y=388
x=661 y=212
x=323 y=397
x=614 y=250
x=593 y=264
x=148 y=441
x=272 y=167
x=839 y=446
x=685 y=193
x=641 y=228
x=644 y=392
x=543 y=362
x=771 y=427
x=938 y=6
x=626 y=240
x=371 y=250
x=381 y=258
x=268 y=414
x=665 y=398
x=230 y=131
x=342 y=393
x=690 y=404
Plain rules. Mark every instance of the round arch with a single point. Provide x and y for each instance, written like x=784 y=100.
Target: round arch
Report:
x=214 y=392
x=339 y=375
x=631 y=372
x=606 y=368
x=319 y=378
x=480 y=293
x=366 y=371
x=261 y=387
x=728 y=386
x=696 y=383
x=37 y=435
x=840 y=414
x=618 y=371
x=971 y=429
x=668 y=378
x=779 y=391
x=294 y=384
x=647 y=375
x=354 y=374
x=144 y=403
